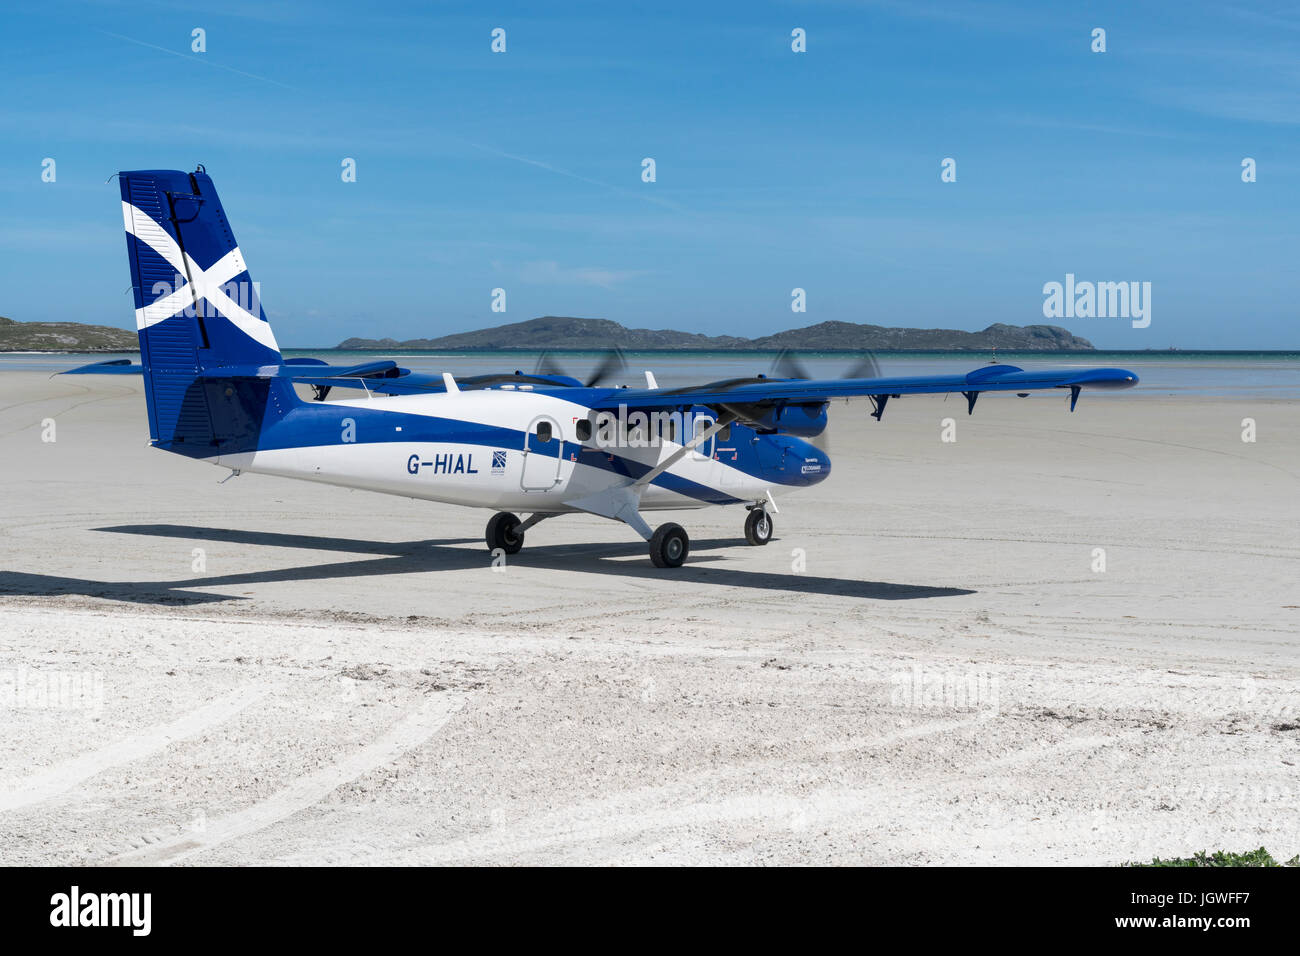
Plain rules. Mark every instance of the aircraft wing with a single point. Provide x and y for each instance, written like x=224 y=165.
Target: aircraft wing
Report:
x=383 y=376
x=764 y=393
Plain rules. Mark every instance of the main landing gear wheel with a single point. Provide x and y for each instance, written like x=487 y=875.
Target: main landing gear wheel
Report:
x=669 y=546
x=758 y=527
x=503 y=533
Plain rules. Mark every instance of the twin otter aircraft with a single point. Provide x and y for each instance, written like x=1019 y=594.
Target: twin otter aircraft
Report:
x=217 y=389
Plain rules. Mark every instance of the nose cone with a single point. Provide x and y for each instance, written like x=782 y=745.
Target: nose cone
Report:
x=814 y=464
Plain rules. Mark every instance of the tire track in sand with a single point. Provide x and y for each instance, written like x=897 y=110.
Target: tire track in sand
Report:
x=407 y=734
x=621 y=819
x=62 y=777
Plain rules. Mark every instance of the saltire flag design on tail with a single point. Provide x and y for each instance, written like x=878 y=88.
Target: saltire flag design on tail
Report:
x=196 y=304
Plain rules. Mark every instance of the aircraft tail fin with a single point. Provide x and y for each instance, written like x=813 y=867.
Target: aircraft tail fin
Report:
x=196 y=304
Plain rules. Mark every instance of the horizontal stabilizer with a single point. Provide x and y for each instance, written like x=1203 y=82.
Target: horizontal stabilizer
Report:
x=308 y=372
x=110 y=367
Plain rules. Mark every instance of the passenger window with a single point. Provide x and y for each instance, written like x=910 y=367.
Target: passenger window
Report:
x=544 y=431
x=583 y=429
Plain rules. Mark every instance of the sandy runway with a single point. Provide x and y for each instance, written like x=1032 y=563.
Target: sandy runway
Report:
x=927 y=664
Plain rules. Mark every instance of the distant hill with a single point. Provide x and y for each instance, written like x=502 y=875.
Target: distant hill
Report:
x=559 y=332
x=63 y=337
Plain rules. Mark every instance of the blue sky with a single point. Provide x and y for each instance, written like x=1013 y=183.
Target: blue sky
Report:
x=775 y=170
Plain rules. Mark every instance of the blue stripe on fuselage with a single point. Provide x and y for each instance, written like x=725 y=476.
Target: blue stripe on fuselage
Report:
x=779 y=459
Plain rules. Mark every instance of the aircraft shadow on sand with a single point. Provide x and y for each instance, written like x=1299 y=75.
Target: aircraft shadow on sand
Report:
x=446 y=554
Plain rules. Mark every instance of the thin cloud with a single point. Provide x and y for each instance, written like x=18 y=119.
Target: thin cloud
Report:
x=203 y=59
x=548 y=271
x=572 y=175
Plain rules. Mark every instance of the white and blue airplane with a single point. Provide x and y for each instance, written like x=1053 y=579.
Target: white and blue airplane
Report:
x=217 y=389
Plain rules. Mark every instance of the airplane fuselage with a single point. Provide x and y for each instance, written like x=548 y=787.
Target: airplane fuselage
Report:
x=490 y=448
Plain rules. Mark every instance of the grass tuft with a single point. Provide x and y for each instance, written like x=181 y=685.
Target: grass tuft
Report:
x=1260 y=857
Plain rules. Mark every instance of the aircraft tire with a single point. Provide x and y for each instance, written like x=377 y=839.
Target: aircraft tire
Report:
x=669 y=546
x=758 y=527
x=501 y=533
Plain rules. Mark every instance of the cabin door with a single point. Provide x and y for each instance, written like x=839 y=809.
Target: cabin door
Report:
x=543 y=455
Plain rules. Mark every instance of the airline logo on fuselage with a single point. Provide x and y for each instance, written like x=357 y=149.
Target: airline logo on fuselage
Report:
x=447 y=464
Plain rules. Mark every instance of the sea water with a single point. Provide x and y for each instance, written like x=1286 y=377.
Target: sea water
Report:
x=1175 y=372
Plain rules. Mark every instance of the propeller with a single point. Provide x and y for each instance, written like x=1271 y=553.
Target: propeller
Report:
x=788 y=364
x=612 y=362
x=865 y=367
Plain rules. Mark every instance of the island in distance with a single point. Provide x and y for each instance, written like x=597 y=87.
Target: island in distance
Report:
x=572 y=334
x=64 y=337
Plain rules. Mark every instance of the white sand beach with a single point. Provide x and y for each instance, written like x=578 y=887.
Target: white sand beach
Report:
x=924 y=666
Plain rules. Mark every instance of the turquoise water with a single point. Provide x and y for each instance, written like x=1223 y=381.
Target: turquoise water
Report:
x=1224 y=374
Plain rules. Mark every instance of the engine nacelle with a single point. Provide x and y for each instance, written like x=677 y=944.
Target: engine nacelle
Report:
x=803 y=420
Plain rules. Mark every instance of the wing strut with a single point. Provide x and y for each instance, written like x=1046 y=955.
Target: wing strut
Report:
x=622 y=502
x=723 y=421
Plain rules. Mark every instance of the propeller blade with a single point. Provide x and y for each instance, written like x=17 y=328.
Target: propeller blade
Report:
x=613 y=362
x=787 y=364
x=546 y=365
x=865 y=367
